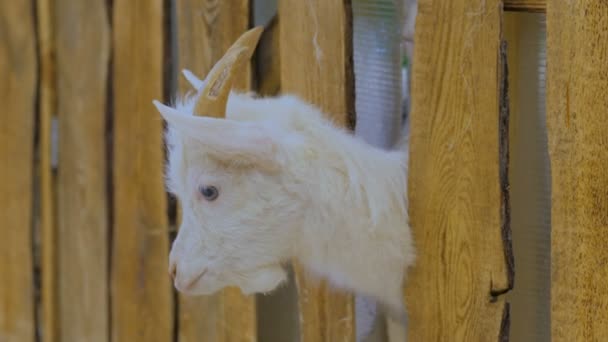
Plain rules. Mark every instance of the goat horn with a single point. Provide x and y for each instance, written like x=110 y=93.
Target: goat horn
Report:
x=214 y=96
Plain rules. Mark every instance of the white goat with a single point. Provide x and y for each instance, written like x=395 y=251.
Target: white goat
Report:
x=276 y=181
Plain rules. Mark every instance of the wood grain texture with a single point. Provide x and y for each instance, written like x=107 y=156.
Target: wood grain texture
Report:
x=206 y=29
x=454 y=291
x=142 y=306
x=18 y=97
x=525 y=5
x=316 y=55
x=82 y=69
x=48 y=228
x=577 y=123
x=316 y=64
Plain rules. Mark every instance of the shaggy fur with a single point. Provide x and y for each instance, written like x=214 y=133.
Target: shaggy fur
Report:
x=292 y=185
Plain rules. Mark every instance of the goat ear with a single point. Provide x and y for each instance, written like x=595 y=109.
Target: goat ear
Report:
x=194 y=81
x=232 y=141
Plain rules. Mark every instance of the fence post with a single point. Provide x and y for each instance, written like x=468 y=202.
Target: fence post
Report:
x=82 y=232
x=18 y=98
x=316 y=64
x=142 y=308
x=205 y=30
x=458 y=208
x=577 y=122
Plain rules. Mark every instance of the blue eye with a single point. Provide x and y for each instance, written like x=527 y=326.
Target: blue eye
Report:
x=210 y=193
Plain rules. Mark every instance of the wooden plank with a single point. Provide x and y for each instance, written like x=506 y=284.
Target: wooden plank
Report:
x=206 y=29
x=577 y=105
x=454 y=291
x=18 y=98
x=47 y=106
x=81 y=180
x=82 y=70
x=525 y=5
x=316 y=64
x=142 y=306
x=316 y=55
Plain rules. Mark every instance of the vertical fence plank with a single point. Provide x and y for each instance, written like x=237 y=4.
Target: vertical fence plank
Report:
x=48 y=230
x=141 y=290
x=82 y=68
x=206 y=29
x=577 y=121
x=453 y=292
x=316 y=64
x=17 y=95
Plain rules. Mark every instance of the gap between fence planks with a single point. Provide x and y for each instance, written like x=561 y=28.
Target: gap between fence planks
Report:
x=316 y=64
x=268 y=60
x=454 y=291
x=82 y=240
x=142 y=305
x=206 y=29
x=577 y=122
x=526 y=5
x=529 y=177
x=47 y=189
x=18 y=68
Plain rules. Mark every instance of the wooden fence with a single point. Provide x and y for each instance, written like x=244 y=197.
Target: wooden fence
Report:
x=85 y=238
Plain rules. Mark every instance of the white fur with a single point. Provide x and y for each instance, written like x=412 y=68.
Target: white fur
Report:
x=292 y=186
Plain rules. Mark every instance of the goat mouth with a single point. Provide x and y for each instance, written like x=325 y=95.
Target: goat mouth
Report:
x=195 y=280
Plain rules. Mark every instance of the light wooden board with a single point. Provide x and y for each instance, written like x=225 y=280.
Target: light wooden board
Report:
x=316 y=64
x=525 y=5
x=82 y=243
x=316 y=55
x=18 y=98
x=142 y=306
x=577 y=122
x=454 y=291
x=48 y=227
x=206 y=29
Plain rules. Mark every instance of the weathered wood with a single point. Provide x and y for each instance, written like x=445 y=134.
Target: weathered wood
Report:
x=206 y=29
x=454 y=292
x=525 y=5
x=577 y=123
x=82 y=69
x=142 y=306
x=316 y=55
x=48 y=230
x=18 y=98
x=316 y=64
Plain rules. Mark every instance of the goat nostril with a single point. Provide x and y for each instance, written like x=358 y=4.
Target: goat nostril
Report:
x=172 y=271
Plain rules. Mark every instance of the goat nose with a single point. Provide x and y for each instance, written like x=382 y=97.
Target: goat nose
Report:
x=172 y=270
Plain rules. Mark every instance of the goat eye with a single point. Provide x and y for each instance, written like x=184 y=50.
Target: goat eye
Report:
x=209 y=192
